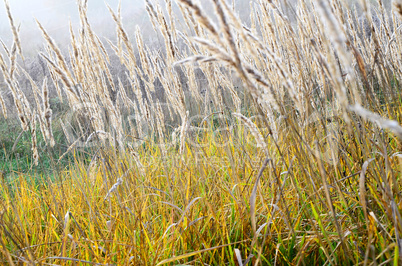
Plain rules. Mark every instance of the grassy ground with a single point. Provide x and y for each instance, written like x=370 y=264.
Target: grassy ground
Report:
x=177 y=164
x=213 y=205
x=16 y=156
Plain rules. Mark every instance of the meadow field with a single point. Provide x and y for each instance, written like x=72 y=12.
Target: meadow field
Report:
x=270 y=139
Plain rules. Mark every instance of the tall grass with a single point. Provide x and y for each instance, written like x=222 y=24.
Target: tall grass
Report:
x=290 y=155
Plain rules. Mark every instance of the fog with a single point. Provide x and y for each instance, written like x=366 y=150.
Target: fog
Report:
x=55 y=15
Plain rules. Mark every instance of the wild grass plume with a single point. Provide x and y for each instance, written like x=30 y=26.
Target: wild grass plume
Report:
x=270 y=141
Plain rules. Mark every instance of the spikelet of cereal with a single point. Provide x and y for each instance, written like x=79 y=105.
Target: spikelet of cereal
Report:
x=34 y=141
x=13 y=29
x=47 y=114
x=3 y=106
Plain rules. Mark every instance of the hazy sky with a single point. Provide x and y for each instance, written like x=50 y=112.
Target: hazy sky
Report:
x=55 y=15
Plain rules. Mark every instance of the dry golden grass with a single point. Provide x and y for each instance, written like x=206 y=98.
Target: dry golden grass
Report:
x=310 y=173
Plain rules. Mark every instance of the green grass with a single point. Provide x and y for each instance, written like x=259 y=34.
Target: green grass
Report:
x=189 y=206
x=16 y=155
